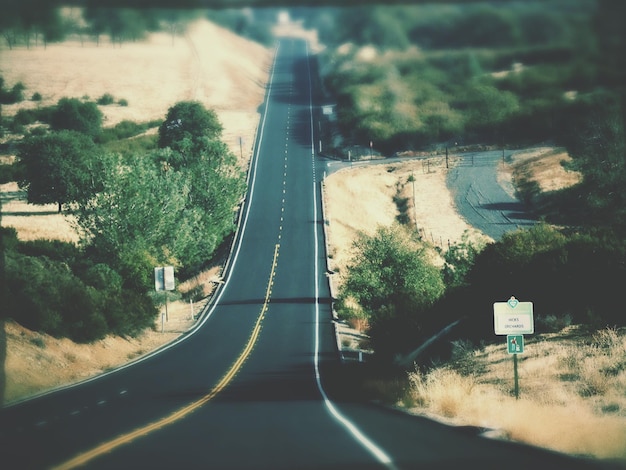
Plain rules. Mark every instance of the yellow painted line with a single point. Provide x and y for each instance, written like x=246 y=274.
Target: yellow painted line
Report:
x=106 y=447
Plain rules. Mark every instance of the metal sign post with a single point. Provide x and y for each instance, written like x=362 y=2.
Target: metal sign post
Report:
x=514 y=319
x=515 y=346
x=164 y=281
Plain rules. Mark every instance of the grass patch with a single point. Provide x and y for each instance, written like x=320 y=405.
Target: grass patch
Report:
x=571 y=391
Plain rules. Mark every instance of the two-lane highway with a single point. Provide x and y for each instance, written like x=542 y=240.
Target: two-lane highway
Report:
x=246 y=389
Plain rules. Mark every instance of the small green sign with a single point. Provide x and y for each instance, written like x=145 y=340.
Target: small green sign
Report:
x=515 y=344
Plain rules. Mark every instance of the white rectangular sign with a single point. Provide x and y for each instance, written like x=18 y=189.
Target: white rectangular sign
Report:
x=513 y=317
x=164 y=278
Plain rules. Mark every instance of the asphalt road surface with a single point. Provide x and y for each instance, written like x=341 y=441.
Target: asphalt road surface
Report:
x=481 y=199
x=249 y=388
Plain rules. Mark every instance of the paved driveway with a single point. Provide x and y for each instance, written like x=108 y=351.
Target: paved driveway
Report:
x=480 y=199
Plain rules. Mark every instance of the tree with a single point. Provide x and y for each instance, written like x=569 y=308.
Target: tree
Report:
x=187 y=127
x=190 y=143
x=76 y=115
x=596 y=139
x=392 y=279
x=140 y=207
x=487 y=107
x=60 y=167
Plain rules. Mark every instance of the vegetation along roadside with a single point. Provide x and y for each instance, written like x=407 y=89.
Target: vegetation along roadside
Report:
x=400 y=92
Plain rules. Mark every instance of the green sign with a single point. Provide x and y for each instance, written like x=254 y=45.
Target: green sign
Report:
x=515 y=344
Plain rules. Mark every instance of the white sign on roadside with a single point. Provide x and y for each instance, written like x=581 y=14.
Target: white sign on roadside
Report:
x=513 y=317
x=164 y=278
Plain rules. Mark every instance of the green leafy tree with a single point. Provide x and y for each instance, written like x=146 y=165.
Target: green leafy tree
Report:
x=596 y=139
x=459 y=260
x=190 y=143
x=487 y=107
x=187 y=127
x=140 y=208
x=60 y=167
x=76 y=115
x=392 y=279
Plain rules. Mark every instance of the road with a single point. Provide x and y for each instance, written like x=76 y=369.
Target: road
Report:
x=480 y=198
x=249 y=387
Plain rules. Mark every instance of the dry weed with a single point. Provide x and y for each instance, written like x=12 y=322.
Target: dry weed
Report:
x=572 y=396
x=442 y=391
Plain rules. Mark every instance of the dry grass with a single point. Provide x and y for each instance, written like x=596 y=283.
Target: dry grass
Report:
x=572 y=386
x=210 y=64
x=34 y=222
x=360 y=199
x=571 y=392
x=543 y=165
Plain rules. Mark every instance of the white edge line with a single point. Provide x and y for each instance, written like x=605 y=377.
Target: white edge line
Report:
x=358 y=435
x=213 y=305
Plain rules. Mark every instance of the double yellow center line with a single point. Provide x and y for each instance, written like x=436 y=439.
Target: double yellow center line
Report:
x=119 y=441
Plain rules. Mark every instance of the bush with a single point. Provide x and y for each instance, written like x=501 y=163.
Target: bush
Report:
x=14 y=95
x=7 y=173
x=123 y=130
x=394 y=282
x=24 y=117
x=34 y=295
x=52 y=287
x=73 y=114
x=569 y=279
x=128 y=147
x=106 y=99
x=36 y=96
x=56 y=250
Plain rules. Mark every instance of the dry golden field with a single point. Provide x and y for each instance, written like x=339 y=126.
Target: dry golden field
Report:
x=208 y=63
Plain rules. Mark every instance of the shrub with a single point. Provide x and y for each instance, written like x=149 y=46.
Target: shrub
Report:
x=24 y=117
x=106 y=99
x=14 y=95
x=122 y=130
x=73 y=114
x=394 y=282
x=7 y=173
x=47 y=295
x=56 y=250
x=33 y=285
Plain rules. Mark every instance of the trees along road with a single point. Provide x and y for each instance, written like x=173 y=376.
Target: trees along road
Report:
x=248 y=387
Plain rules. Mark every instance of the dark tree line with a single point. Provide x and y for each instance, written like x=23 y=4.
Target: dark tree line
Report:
x=30 y=22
